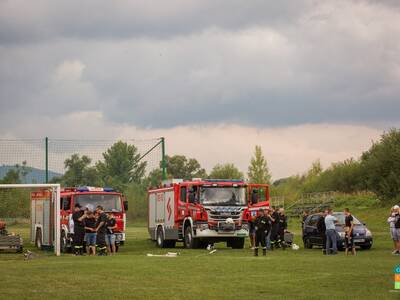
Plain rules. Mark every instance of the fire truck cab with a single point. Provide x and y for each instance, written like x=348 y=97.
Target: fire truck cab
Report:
x=109 y=199
x=200 y=212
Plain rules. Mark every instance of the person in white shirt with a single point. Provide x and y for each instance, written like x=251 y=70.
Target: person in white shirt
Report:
x=331 y=240
x=395 y=232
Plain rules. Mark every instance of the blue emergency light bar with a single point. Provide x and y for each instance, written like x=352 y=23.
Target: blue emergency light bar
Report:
x=94 y=189
x=223 y=180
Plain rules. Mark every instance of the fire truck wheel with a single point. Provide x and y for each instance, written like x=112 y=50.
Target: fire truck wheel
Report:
x=63 y=242
x=160 y=237
x=189 y=241
x=38 y=238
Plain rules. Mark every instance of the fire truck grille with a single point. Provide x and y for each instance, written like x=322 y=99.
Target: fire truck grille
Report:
x=222 y=216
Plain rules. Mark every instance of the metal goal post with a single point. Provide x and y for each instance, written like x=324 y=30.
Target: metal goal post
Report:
x=55 y=206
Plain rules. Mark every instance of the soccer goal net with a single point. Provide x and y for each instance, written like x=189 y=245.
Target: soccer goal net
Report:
x=31 y=212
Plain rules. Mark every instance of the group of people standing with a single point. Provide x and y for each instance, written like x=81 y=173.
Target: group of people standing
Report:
x=268 y=230
x=93 y=228
x=326 y=226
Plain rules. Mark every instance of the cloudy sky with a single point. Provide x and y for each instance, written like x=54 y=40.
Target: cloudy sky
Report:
x=303 y=79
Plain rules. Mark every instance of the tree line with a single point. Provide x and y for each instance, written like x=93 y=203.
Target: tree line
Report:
x=377 y=170
x=123 y=169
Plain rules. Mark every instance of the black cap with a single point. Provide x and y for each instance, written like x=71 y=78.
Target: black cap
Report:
x=77 y=205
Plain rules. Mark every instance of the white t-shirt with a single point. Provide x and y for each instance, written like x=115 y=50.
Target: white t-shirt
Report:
x=330 y=222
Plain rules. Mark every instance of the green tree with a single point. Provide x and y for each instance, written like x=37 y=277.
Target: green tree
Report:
x=225 y=171
x=17 y=174
x=121 y=166
x=381 y=166
x=12 y=176
x=258 y=170
x=316 y=169
x=79 y=172
x=179 y=166
x=153 y=179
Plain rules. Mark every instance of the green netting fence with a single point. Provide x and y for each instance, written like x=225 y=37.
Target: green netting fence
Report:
x=43 y=159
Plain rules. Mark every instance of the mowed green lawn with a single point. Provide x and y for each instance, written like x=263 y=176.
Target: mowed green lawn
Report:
x=194 y=274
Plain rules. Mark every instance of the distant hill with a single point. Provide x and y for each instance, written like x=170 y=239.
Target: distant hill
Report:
x=34 y=176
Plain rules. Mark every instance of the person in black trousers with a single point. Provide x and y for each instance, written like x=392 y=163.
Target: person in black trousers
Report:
x=101 y=229
x=282 y=226
x=322 y=229
x=79 y=229
x=262 y=226
x=274 y=227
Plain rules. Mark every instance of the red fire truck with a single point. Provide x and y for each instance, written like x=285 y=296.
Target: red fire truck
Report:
x=200 y=212
x=91 y=197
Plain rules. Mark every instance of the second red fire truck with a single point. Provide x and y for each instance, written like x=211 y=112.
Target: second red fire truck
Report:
x=109 y=199
x=200 y=212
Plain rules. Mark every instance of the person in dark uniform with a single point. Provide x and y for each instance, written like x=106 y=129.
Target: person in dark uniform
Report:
x=252 y=232
x=274 y=228
x=262 y=226
x=306 y=213
x=101 y=229
x=322 y=229
x=254 y=197
x=348 y=229
x=79 y=230
x=282 y=226
x=254 y=200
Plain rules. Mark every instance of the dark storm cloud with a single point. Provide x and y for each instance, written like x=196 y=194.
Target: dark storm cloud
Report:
x=150 y=64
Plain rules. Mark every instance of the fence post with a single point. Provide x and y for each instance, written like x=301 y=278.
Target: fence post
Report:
x=47 y=159
x=163 y=162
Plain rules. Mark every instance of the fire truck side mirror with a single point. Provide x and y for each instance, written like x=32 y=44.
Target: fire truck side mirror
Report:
x=125 y=205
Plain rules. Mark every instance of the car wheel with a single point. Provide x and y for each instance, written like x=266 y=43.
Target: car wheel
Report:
x=307 y=244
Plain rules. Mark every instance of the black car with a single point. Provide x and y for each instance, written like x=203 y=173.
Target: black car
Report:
x=312 y=235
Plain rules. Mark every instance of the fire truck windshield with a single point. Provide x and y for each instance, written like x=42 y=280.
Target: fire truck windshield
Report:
x=107 y=201
x=223 y=196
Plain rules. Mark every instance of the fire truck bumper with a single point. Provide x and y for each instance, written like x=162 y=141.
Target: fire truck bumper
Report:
x=214 y=233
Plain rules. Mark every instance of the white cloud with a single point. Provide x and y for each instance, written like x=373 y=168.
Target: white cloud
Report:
x=69 y=70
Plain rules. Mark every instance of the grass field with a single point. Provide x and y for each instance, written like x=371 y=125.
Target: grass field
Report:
x=226 y=274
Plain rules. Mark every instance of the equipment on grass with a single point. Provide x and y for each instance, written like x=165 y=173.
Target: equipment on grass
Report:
x=169 y=254
x=9 y=241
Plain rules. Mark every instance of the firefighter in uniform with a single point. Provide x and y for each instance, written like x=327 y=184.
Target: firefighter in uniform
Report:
x=101 y=229
x=79 y=229
x=275 y=228
x=262 y=226
x=282 y=226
